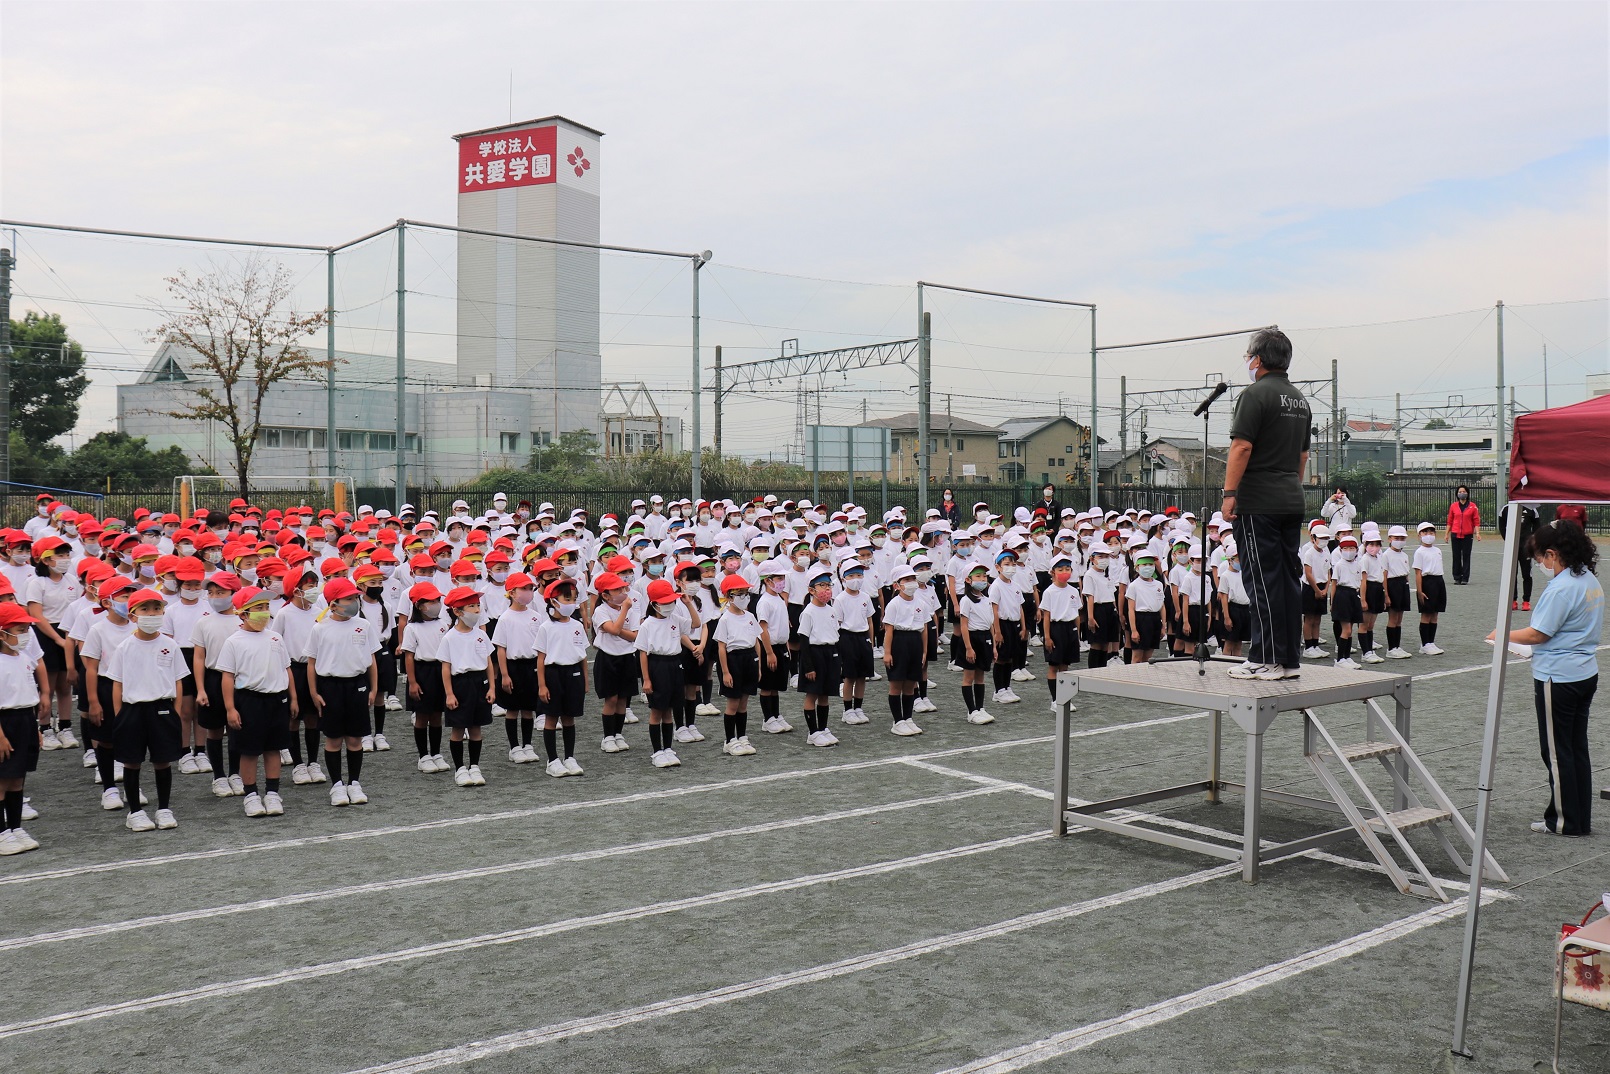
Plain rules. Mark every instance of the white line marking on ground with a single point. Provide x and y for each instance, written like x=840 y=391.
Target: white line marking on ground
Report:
x=225 y=989
x=558 y=807
x=510 y=1042
x=456 y=875
x=1074 y=1040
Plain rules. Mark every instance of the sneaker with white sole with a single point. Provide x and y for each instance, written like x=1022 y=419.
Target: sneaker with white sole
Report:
x=953 y=666
x=220 y=788
x=498 y=710
x=475 y=776
x=273 y=804
x=1009 y=697
x=253 y=805
x=381 y=745
x=299 y=775
x=204 y=766
x=368 y=743
x=315 y=773
x=285 y=757
x=853 y=717
x=706 y=709
x=1247 y=670
x=1273 y=673
x=608 y=745
x=139 y=821
x=556 y=769
x=517 y=755
x=355 y=794
x=28 y=810
x=621 y=745
x=48 y=739
x=67 y=740
x=236 y=786
x=393 y=704
x=1431 y=648
x=187 y=765
x=426 y=764
x=1399 y=653
x=743 y=747
x=906 y=728
x=442 y=763
x=461 y=776
x=773 y=726
x=572 y=766
x=980 y=717
x=165 y=820
x=1348 y=662
x=1022 y=675
x=111 y=798
x=828 y=738
x=531 y=754
x=338 y=795
x=117 y=771
x=629 y=716
x=9 y=844
x=669 y=759
x=1371 y=657
x=793 y=682
x=90 y=760
x=694 y=734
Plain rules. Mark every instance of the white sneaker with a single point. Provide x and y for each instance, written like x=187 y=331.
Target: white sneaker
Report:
x=236 y=785
x=608 y=744
x=299 y=775
x=706 y=709
x=475 y=776
x=1274 y=673
x=355 y=794
x=204 y=766
x=877 y=676
x=828 y=738
x=426 y=764
x=187 y=765
x=392 y=704
x=666 y=758
x=1348 y=662
x=1022 y=675
x=531 y=755
x=556 y=768
x=90 y=760
x=1247 y=670
x=657 y=759
x=621 y=745
x=852 y=717
x=442 y=763
x=1009 y=697
x=68 y=741
x=117 y=771
x=48 y=740
x=254 y=805
x=498 y=710
x=773 y=726
x=220 y=788
x=924 y=704
x=1399 y=653
x=906 y=728
x=166 y=820
x=28 y=810
x=877 y=652
x=273 y=804
x=980 y=717
x=368 y=743
x=9 y=844
x=338 y=795
x=953 y=666
x=315 y=773
x=112 y=798
x=381 y=745
x=285 y=757
x=138 y=821
x=694 y=734
x=1315 y=652
x=572 y=766
x=743 y=748
x=462 y=776
x=1431 y=648
x=629 y=716
x=793 y=682
x=517 y=755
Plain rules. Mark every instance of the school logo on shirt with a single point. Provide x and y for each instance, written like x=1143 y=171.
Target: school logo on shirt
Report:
x=166 y=652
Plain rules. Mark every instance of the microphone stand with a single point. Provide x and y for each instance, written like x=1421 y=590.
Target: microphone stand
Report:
x=1202 y=411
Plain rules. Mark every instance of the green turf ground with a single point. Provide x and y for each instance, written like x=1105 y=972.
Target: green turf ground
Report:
x=800 y=910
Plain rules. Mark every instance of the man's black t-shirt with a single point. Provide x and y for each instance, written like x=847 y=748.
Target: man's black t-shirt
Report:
x=1275 y=418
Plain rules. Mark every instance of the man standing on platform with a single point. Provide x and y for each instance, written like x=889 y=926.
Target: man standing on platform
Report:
x=1270 y=433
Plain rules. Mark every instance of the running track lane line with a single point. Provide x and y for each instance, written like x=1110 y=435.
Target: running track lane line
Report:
x=526 y=1038
x=563 y=807
x=1074 y=1040
x=241 y=986
x=374 y=887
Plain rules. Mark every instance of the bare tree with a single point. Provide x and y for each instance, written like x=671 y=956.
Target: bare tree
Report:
x=238 y=321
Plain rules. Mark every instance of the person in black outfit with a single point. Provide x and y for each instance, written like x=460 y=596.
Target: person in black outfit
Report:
x=1523 y=558
x=949 y=510
x=1048 y=503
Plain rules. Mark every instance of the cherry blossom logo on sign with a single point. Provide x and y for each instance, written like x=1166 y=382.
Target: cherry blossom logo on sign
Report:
x=578 y=160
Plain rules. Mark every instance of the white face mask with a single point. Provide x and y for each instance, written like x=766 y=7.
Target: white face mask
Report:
x=1007 y=570
x=1397 y=544
x=923 y=577
x=171 y=585
x=1428 y=539
x=219 y=604
x=1146 y=570
x=1252 y=370
x=566 y=610
x=739 y=601
x=149 y=624
x=1350 y=554
x=852 y=585
x=1548 y=572
x=908 y=589
x=469 y=619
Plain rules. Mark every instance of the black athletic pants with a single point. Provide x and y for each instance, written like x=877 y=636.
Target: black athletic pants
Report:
x=1267 y=545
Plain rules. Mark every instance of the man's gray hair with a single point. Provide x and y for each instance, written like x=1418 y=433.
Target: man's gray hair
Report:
x=1271 y=347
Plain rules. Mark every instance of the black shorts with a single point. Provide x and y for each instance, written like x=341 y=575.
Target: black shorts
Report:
x=1397 y=592
x=346 y=706
x=147 y=729
x=695 y=670
x=78 y=666
x=21 y=727
x=1062 y=644
x=211 y=715
x=775 y=678
x=188 y=687
x=1347 y=607
x=905 y=662
x=1240 y=623
x=305 y=709
x=265 y=723
x=855 y=654
x=523 y=678
x=1436 y=594
x=794 y=612
x=1312 y=605
x=1105 y=628
x=983 y=651
x=664 y=685
x=819 y=673
x=55 y=656
x=1196 y=616
x=103 y=695
x=1375 y=597
x=567 y=690
x=615 y=675
x=432 y=695
x=386 y=666
x=1149 y=625
x=474 y=710
x=743 y=667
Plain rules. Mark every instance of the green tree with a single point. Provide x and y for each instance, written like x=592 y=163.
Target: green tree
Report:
x=47 y=378
x=1439 y=423
x=123 y=459
x=35 y=464
x=574 y=453
x=1365 y=484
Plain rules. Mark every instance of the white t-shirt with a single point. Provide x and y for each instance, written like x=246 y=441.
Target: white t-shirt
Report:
x=258 y=659
x=561 y=641
x=903 y=614
x=53 y=595
x=772 y=610
x=1147 y=593
x=465 y=650
x=180 y=619
x=424 y=638
x=19 y=687
x=210 y=633
x=516 y=632
x=148 y=670
x=295 y=627
x=977 y=611
x=819 y=623
x=614 y=644
x=1061 y=603
x=104 y=636
x=661 y=635
x=1428 y=559
x=343 y=648
x=855 y=609
x=1006 y=596
x=737 y=630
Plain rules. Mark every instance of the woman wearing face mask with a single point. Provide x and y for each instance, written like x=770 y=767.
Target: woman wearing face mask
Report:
x=1464 y=527
x=1564 y=636
x=341 y=663
x=47 y=597
x=1396 y=564
x=294 y=623
x=1430 y=590
x=145 y=670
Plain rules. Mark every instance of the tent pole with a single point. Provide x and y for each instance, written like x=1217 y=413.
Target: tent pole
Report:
x=1484 y=778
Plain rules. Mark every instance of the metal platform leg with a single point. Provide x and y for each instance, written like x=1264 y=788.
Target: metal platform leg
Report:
x=1215 y=721
x=1059 y=796
x=1253 y=808
x=1401 y=699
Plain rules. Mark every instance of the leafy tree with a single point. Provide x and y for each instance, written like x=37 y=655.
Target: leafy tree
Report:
x=47 y=378
x=35 y=464
x=1439 y=423
x=1365 y=484
x=125 y=460
x=574 y=452
x=239 y=323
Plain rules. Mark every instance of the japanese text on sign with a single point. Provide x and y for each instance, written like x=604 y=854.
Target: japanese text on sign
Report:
x=507 y=159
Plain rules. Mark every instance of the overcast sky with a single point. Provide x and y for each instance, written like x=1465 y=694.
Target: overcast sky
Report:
x=1187 y=167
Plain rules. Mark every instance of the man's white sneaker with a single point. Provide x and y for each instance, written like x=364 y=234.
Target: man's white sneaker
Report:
x=621 y=745
x=166 y=820
x=299 y=775
x=476 y=777
x=1371 y=657
x=1348 y=662
x=906 y=728
x=1275 y=673
x=392 y=704
x=139 y=821
x=1022 y=675
x=112 y=798
x=338 y=795
x=253 y=805
x=273 y=804
x=608 y=744
x=355 y=793
x=1431 y=648
x=48 y=740
x=1246 y=670
x=236 y=786
x=628 y=716
x=381 y=745
x=368 y=743
x=556 y=768
x=90 y=760
x=462 y=776
x=980 y=717
x=572 y=766
x=187 y=765
x=1400 y=653
x=67 y=740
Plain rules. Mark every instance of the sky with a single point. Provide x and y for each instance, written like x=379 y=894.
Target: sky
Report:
x=1373 y=177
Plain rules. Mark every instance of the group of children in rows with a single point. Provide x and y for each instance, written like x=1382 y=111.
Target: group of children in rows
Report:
x=177 y=637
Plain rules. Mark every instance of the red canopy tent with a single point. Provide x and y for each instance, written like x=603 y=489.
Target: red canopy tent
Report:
x=1557 y=455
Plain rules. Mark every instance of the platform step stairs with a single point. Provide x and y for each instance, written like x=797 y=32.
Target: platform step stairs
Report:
x=1384 y=830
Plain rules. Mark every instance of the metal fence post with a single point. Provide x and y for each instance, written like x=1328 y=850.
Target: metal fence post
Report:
x=402 y=368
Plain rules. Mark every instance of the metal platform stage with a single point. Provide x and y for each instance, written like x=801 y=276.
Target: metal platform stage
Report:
x=1254 y=706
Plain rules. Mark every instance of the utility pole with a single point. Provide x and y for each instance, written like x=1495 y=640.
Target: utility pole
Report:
x=1333 y=449
x=950 y=454
x=5 y=363
x=718 y=401
x=1397 y=433
x=1500 y=449
x=329 y=356
x=924 y=369
x=402 y=368
x=1095 y=439
x=698 y=446
x=1123 y=422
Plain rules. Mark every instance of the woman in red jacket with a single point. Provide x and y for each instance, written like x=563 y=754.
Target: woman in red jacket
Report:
x=1464 y=526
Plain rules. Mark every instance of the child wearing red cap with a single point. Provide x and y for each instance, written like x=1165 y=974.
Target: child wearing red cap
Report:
x=661 y=639
x=24 y=692
x=421 y=641
x=466 y=656
x=207 y=639
x=561 y=646
x=48 y=595
x=341 y=663
x=147 y=672
x=514 y=636
x=617 y=617
x=258 y=703
x=294 y=624
x=103 y=634
x=739 y=651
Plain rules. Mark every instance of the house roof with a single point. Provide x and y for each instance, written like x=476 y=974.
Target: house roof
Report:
x=937 y=424
x=355 y=369
x=1023 y=428
x=1363 y=426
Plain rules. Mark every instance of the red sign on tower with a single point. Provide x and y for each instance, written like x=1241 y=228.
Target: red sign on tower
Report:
x=508 y=159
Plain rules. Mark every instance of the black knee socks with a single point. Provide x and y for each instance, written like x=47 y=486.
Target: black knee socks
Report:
x=768 y=706
x=896 y=708
x=380 y=718
x=131 y=788
x=729 y=725
x=907 y=703
x=654 y=737
x=420 y=742
x=354 y=765
x=332 y=764
x=456 y=747
x=435 y=739
x=310 y=741
x=215 y=755
x=550 y=742
x=1366 y=641
x=13 y=811
x=741 y=722
x=1344 y=648
x=296 y=752
x=527 y=725
x=1394 y=637
x=511 y=728
x=104 y=762
x=475 y=751
x=164 y=786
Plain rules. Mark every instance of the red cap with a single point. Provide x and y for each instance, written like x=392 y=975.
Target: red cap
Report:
x=551 y=593
x=518 y=580
x=465 y=569
x=423 y=591
x=617 y=564
x=661 y=592
x=189 y=570
x=226 y=581
x=733 y=583
x=14 y=613
x=607 y=581
x=463 y=595
x=248 y=595
x=331 y=565
x=422 y=562
x=148 y=596
x=338 y=588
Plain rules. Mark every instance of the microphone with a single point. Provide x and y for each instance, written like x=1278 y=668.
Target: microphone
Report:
x=1218 y=390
